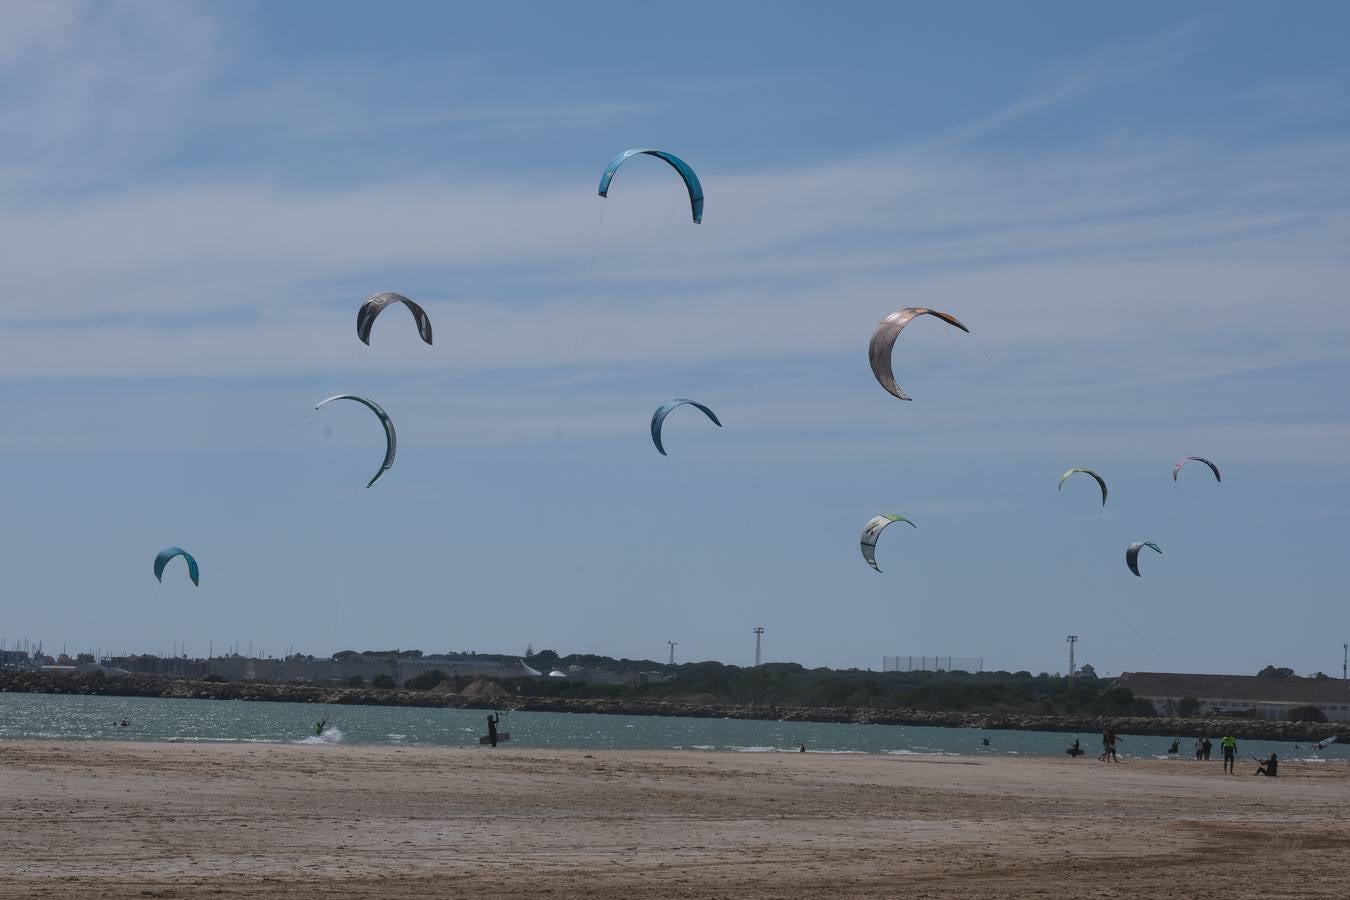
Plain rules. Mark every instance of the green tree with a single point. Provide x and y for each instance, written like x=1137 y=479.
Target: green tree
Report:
x=1307 y=713
x=384 y=682
x=1273 y=672
x=426 y=680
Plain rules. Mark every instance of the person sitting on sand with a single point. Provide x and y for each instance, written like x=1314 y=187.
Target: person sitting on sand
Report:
x=1267 y=766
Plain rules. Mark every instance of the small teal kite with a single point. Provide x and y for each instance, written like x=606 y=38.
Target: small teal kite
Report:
x=169 y=553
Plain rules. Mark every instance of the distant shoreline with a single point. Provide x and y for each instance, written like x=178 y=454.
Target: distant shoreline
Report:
x=164 y=687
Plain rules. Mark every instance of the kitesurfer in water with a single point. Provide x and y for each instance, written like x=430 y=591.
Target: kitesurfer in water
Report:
x=492 y=729
x=319 y=726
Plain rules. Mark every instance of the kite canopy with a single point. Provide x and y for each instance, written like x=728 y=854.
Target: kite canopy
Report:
x=664 y=409
x=365 y=316
x=1100 y=481
x=873 y=530
x=883 y=342
x=391 y=439
x=1132 y=554
x=1176 y=470
x=169 y=553
x=690 y=179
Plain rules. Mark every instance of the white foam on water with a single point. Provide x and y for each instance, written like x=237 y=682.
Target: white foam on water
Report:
x=332 y=735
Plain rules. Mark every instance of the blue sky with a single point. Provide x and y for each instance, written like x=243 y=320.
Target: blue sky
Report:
x=1140 y=211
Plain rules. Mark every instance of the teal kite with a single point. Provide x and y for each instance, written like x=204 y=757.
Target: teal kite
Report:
x=169 y=553
x=690 y=179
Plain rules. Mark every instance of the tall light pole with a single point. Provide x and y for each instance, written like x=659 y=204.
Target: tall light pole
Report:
x=1345 y=663
x=1071 y=640
x=672 y=651
x=759 y=633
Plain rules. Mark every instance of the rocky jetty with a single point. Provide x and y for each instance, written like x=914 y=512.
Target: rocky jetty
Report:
x=492 y=696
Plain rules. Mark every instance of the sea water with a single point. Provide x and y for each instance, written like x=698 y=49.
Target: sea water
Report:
x=80 y=718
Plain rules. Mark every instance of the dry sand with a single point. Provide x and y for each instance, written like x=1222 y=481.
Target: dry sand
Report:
x=241 y=820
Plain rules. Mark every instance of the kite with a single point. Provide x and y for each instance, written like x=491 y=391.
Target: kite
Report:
x=1176 y=470
x=873 y=531
x=883 y=342
x=169 y=553
x=1132 y=554
x=391 y=440
x=690 y=179
x=664 y=409
x=1100 y=481
x=365 y=316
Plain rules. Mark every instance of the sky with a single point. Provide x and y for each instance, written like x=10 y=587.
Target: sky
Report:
x=1141 y=212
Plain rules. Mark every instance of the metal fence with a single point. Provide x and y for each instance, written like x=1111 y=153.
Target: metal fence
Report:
x=932 y=664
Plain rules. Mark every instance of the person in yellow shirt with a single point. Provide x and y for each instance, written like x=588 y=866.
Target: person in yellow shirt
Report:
x=1229 y=745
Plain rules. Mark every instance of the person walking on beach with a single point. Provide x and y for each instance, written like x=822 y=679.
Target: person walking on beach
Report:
x=1205 y=748
x=1109 y=739
x=492 y=730
x=1229 y=745
x=1199 y=748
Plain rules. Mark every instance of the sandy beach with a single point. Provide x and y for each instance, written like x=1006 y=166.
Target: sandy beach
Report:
x=248 y=820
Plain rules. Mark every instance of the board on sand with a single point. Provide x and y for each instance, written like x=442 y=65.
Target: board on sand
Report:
x=501 y=736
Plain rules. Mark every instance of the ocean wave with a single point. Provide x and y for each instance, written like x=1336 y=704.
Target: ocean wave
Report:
x=330 y=736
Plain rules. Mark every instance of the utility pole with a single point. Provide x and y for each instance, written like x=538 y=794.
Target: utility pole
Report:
x=1071 y=640
x=1345 y=663
x=672 y=651
x=759 y=633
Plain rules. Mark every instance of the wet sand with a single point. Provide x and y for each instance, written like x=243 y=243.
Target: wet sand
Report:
x=249 y=820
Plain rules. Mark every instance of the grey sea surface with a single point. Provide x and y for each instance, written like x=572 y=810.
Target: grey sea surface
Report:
x=64 y=717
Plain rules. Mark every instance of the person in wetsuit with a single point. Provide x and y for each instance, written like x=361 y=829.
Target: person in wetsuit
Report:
x=1268 y=766
x=492 y=729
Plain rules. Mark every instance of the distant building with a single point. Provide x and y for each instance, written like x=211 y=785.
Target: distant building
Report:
x=1240 y=695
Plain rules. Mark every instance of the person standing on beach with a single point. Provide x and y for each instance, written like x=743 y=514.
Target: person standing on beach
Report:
x=1109 y=739
x=1229 y=745
x=1205 y=748
x=492 y=730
